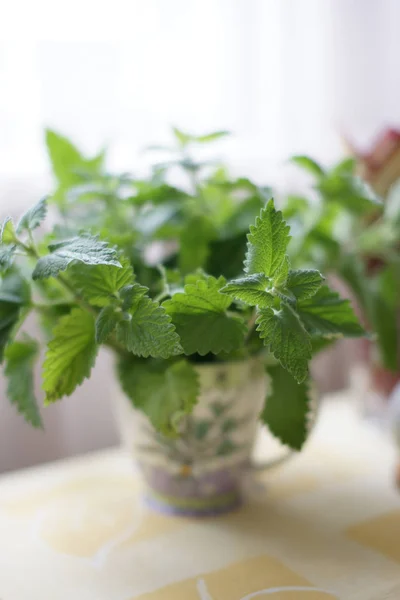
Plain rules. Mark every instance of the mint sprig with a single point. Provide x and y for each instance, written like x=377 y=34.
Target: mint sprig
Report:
x=290 y=305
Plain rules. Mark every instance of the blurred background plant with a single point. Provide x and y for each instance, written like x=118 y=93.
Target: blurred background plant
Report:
x=356 y=237
x=208 y=206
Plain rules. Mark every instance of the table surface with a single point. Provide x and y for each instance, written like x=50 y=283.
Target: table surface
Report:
x=325 y=526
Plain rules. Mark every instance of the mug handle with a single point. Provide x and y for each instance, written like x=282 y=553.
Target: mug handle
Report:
x=264 y=465
x=261 y=465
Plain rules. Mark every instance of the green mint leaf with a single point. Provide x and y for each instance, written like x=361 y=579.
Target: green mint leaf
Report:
x=7 y=233
x=287 y=339
x=14 y=295
x=244 y=212
x=212 y=137
x=345 y=167
x=349 y=191
x=287 y=407
x=194 y=243
x=99 y=283
x=201 y=319
x=67 y=161
x=226 y=256
x=327 y=314
x=281 y=274
x=86 y=249
x=310 y=165
x=267 y=242
x=251 y=290
x=382 y=315
x=285 y=294
x=145 y=327
x=304 y=283
x=20 y=358
x=15 y=289
x=106 y=323
x=182 y=138
x=33 y=217
x=70 y=355
x=6 y=256
x=165 y=392
x=9 y=315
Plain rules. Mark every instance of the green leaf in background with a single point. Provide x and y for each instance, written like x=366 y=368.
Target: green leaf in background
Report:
x=244 y=213
x=392 y=204
x=9 y=315
x=20 y=358
x=201 y=319
x=350 y=192
x=98 y=284
x=389 y=283
x=33 y=217
x=382 y=301
x=15 y=289
x=14 y=297
x=182 y=138
x=327 y=314
x=304 y=283
x=226 y=257
x=70 y=354
x=67 y=160
x=286 y=408
x=7 y=234
x=164 y=391
x=186 y=138
x=308 y=164
x=194 y=243
x=295 y=206
x=68 y=164
x=145 y=328
x=211 y=137
x=86 y=249
x=345 y=166
x=384 y=317
x=161 y=193
x=267 y=242
x=6 y=256
x=380 y=239
x=284 y=334
x=251 y=290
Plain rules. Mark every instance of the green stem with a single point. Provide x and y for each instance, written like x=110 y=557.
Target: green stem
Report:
x=161 y=296
x=250 y=325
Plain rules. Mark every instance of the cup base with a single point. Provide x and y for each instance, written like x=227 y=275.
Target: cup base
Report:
x=193 y=507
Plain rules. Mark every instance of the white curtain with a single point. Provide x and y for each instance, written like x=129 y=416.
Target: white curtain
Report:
x=286 y=76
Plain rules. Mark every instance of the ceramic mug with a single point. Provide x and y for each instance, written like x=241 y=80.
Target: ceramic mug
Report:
x=202 y=471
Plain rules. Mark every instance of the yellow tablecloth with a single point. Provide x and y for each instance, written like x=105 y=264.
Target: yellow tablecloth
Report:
x=326 y=526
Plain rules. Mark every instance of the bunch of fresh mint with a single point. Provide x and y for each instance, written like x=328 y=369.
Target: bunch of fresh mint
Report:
x=347 y=230
x=91 y=288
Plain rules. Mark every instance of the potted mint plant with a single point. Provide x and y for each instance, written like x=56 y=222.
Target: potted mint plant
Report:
x=201 y=355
